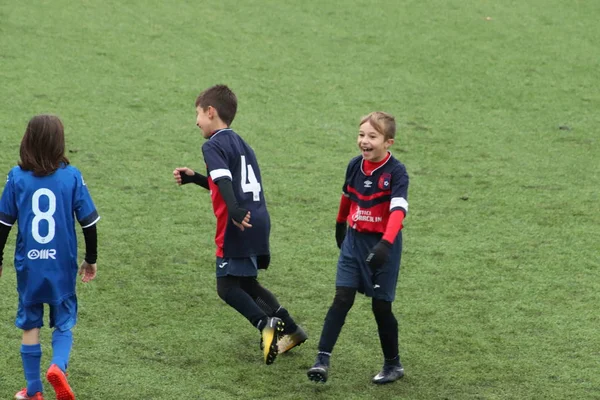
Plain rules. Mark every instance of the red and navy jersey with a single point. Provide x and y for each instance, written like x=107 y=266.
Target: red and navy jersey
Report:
x=228 y=156
x=374 y=196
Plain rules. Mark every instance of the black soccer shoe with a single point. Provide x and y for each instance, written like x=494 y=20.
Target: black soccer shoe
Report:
x=388 y=374
x=270 y=334
x=320 y=371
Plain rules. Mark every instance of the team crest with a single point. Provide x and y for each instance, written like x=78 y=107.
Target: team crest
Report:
x=385 y=181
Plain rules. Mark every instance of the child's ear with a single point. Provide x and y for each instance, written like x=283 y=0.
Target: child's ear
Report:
x=211 y=112
x=389 y=142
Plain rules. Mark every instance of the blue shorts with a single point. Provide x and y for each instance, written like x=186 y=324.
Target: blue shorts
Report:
x=246 y=266
x=63 y=316
x=353 y=271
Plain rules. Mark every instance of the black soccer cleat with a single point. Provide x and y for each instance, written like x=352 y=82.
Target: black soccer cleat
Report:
x=388 y=374
x=270 y=334
x=320 y=371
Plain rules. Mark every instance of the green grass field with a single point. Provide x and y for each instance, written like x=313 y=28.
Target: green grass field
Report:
x=500 y=275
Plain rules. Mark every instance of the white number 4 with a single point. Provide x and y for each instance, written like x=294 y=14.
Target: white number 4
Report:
x=249 y=182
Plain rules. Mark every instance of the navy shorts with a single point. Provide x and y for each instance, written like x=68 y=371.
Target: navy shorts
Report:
x=63 y=316
x=246 y=266
x=353 y=271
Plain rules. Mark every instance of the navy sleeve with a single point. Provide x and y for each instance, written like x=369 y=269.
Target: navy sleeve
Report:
x=216 y=161
x=399 y=195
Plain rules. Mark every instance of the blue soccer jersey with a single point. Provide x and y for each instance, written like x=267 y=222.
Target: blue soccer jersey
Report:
x=45 y=209
x=228 y=156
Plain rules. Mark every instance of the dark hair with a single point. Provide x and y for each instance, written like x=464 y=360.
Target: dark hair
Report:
x=43 y=145
x=222 y=99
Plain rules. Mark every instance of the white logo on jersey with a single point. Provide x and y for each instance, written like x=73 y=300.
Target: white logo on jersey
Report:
x=368 y=183
x=365 y=215
x=376 y=286
x=43 y=254
x=222 y=265
x=7 y=178
x=82 y=181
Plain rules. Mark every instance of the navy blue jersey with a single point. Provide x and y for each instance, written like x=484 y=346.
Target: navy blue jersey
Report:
x=45 y=209
x=228 y=156
x=373 y=197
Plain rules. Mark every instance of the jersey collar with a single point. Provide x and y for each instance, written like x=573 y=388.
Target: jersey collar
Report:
x=215 y=133
x=385 y=161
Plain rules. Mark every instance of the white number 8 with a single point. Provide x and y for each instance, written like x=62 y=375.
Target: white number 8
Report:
x=43 y=216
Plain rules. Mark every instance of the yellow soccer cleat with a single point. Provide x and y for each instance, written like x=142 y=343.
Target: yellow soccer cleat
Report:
x=270 y=336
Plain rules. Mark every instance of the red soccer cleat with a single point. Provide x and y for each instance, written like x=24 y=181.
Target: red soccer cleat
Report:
x=22 y=395
x=59 y=382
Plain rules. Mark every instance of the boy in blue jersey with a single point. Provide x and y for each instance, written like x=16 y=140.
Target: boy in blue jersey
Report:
x=373 y=204
x=44 y=195
x=243 y=222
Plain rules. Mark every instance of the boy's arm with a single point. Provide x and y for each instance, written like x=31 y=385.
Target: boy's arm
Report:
x=88 y=266
x=236 y=213
x=185 y=175
x=4 y=231
x=90 y=235
x=398 y=209
x=340 y=221
x=197 y=178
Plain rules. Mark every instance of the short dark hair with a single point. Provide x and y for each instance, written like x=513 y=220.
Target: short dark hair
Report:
x=222 y=99
x=43 y=145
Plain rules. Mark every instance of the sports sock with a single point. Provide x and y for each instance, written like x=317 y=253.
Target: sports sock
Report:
x=62 y=343
x=229 y=290
x=32 y=358
x=387 y=327
x=336 y=317
x=290 y=325
x=393 y=361
x=323 y=358
x=267 y=301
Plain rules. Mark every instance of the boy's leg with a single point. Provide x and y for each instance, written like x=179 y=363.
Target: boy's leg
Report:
x=334 y=321
x=30 y=320
x=387 y=326
x=336 y=317
x=62 y=342
x=230 y=291
x=293 y=335
x=63 y=318
x=267 y=301
x=31 y=355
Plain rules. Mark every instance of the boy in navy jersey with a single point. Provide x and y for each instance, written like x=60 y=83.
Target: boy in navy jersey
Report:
x=243 y=223
x=373 y=204
x=44 y=195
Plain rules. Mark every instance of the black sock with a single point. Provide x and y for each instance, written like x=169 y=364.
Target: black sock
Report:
x=387 y=326
x=229 y=290
x=290 y=325
x=335 y=318
x=268 y=303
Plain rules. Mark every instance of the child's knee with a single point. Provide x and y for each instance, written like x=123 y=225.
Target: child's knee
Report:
x=344 y=298
x=381 y=308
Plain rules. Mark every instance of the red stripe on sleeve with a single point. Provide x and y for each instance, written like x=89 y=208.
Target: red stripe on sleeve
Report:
x=394 y=225
x=344 y=209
